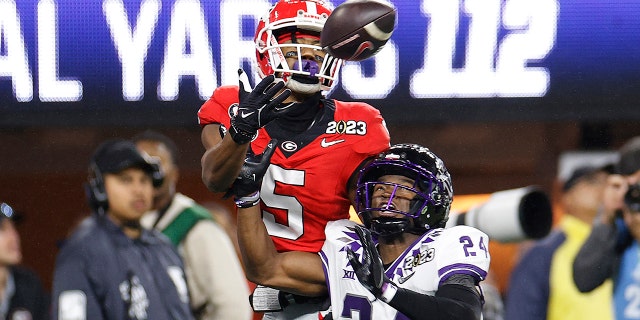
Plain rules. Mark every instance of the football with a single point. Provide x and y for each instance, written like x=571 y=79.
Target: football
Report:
x=358 y=29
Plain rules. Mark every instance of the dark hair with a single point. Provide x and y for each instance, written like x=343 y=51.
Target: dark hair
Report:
x=580 y=174
x=629 y=161
x=155 y=136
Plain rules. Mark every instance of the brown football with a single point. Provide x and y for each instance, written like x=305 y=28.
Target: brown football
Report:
x=358 y=29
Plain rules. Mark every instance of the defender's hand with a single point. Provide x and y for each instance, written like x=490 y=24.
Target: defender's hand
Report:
x=370 y=272
x=257 y=107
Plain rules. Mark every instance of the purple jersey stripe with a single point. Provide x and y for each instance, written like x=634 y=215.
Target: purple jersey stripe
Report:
x=325 y=268
x=462 y=268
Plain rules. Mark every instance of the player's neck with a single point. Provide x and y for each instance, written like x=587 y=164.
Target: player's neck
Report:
x=302 y=116
x=391 y=248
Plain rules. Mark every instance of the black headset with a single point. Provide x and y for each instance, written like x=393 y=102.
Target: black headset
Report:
x=95 y=190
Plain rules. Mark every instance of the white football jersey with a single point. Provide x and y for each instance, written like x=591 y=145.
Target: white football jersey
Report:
x=434 y=257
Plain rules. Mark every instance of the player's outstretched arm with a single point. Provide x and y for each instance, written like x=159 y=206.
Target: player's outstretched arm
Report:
x=296 y=272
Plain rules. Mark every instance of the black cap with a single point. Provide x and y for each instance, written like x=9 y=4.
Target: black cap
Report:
x=114 y=156
x=629 y=161
x=580 y=174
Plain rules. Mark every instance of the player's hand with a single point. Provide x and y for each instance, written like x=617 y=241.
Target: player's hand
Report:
x=246 y=187
x=370 y=271
x=257 y=107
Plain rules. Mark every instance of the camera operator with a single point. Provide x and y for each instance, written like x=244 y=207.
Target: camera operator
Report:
x=612 y=250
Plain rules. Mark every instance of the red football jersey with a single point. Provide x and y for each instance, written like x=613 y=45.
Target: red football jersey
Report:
x=306 y=184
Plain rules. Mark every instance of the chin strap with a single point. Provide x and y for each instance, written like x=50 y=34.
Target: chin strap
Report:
x=389 y=226
x=303 y=88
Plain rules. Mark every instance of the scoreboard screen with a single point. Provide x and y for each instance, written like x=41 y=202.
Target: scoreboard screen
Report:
x=154 y=62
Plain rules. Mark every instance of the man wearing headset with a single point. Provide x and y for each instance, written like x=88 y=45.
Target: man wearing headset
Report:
x=110 y=267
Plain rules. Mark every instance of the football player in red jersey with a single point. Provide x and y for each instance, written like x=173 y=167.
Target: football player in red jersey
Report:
x=415 y=269
x=322 y=141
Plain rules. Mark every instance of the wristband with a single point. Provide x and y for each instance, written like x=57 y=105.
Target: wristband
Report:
x=265 y=299
x=241 y=137
x=388 y=291
x=248 y=201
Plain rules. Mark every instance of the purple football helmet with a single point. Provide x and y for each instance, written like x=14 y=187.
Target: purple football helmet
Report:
x=432 y=190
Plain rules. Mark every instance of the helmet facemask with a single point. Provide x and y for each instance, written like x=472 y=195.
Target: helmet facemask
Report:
x=277 y=35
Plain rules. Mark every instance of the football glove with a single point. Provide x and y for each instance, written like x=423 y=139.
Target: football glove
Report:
x=257 y=107
x=370 y=271
x=246 y=188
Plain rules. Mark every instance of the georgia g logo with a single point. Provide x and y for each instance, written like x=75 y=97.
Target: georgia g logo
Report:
x=289 y=146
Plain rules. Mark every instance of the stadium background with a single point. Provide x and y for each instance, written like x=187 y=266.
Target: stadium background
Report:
x=523 y=82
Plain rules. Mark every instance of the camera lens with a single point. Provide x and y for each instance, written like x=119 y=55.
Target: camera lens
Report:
x=632 y=198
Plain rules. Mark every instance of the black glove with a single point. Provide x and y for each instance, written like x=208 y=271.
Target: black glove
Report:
x=257 y=107
x=246 y=187
x=370 y=272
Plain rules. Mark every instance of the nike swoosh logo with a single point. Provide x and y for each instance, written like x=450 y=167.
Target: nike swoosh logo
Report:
x=244 y=115
x=325 y=144
x=404 y=279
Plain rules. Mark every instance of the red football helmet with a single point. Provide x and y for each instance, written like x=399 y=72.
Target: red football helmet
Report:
x=305 y=17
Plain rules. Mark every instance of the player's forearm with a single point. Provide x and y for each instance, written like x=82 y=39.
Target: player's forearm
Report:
x=294 y=272
x=222 y=159
x=257 y=250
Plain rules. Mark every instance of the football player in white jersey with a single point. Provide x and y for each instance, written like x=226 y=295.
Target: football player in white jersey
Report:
x=401 y=265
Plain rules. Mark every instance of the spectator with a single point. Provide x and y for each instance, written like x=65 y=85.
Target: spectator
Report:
x=541 y=284
x=611 y=250
x=216 y=281
x=21 y=293
x=415 y=270
x=112 y=268
x=225 y=218
x=322 y=141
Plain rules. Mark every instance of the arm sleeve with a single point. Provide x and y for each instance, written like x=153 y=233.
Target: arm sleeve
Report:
x=215 y=269
x=594 y=262
x=456 y=299
x=73 y=294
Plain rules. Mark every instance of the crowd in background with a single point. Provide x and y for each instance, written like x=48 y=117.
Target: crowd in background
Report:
x=148 y=251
